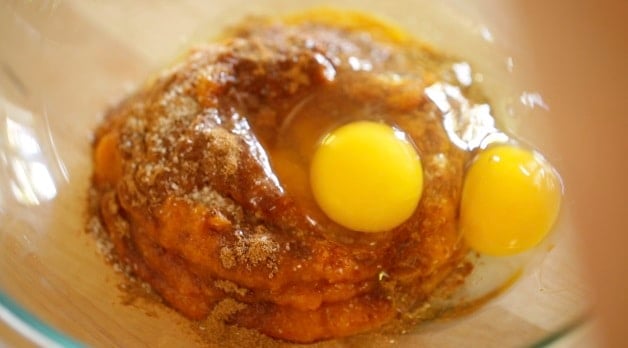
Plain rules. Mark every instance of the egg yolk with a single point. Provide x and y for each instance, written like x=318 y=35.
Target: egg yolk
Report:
x=367 y=176
x=510 y=201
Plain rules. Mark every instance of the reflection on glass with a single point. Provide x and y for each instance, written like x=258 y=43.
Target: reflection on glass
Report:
x=468 y=125
x=24 y=164
x=487 y=35
x=532 y=100
x=463 y=73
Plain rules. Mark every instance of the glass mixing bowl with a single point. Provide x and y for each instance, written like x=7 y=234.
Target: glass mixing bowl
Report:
x=62 y=63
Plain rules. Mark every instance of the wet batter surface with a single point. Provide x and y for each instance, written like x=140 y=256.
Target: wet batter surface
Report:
x=201 y=180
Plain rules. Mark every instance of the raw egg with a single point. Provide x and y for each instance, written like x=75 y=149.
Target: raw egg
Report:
x=510 y=200
x=367 y=176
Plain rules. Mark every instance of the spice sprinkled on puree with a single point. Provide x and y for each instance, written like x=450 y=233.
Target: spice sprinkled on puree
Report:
x=312 y=177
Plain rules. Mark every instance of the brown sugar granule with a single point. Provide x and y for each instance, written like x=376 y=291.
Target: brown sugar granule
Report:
x=103 y=243
x=257 y=248
x=217 y=333
x=230 y=287
x=224 y=309
x=227 y=257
